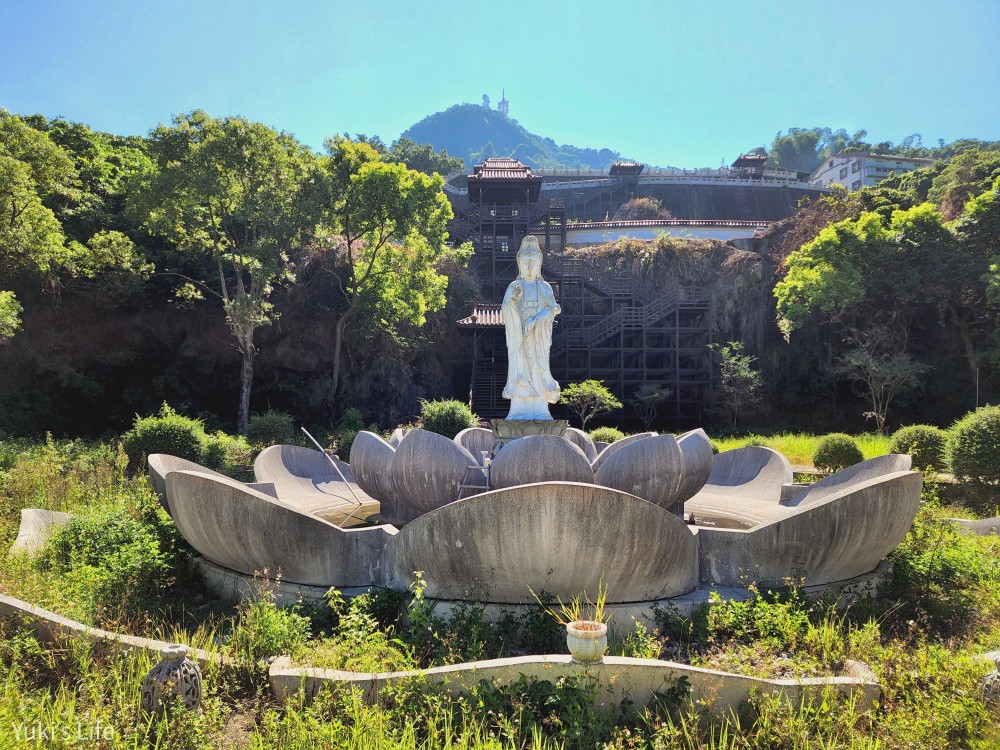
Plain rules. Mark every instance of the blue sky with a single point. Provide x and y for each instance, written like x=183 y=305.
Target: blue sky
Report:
x=668 y=82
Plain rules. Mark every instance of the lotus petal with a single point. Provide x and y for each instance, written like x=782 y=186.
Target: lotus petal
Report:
x=553 y=536
x=582 y=441
x=428 y=470
x=696 y=452
x=158 y=465
x=397 y=436
x=476 y=440
x=370 y=459
x=650 y=468
x=618 y=444
x=539 y=458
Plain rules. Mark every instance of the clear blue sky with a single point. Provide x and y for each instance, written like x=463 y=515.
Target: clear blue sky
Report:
x=667 y=82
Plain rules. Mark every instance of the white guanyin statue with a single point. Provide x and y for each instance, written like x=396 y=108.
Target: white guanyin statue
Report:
x=529 y=310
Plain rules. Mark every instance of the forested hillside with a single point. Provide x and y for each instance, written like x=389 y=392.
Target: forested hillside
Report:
x=224 y=268
x=473 y=133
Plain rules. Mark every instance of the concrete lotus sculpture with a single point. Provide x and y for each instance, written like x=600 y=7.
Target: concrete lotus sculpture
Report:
x=557 y=536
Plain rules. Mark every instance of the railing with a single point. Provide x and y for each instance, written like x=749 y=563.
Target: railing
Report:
x=632 y=317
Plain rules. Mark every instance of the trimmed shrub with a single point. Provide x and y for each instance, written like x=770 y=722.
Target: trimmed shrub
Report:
x=923 y=442
x=228 y=453
x=168 y=432
x=446 y=417
x=835 y=452
x=606 y=434
x=271 y=428
x=974 y=446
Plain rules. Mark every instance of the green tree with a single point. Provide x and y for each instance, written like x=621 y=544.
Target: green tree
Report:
x=32 y=170
x=10 y=316
x=386 y=226
x=647 y=399
x=740 y=383
x=231 y=190
x=423 y=158
x=588 y=399
x=888 y=271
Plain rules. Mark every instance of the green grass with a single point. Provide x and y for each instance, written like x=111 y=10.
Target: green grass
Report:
x=798 y=447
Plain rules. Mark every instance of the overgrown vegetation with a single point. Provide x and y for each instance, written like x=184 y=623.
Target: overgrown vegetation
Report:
x=446 y=417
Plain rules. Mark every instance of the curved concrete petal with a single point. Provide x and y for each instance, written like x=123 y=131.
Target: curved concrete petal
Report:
x=539 y=458
x=873 y=468
x=158 y=465
x=751 y=473
x=305 y=478
x=609 y=451
x=583 y=441
x=428 y=469
x=476 y=440
x=843 y=535
x=370 y=459
x=696 y=452
x=556 y=537
x=247 y=531
x=651 y=469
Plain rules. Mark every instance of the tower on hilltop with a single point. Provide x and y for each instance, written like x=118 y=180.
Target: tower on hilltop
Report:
x=504 y=106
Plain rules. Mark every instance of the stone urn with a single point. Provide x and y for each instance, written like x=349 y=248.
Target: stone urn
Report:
x=587 y=640
x=175 y=676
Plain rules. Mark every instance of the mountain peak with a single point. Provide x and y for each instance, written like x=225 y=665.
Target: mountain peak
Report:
x=474 y=132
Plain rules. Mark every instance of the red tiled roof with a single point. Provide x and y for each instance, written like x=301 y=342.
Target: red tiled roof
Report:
x=483 y=314
x=500 y=169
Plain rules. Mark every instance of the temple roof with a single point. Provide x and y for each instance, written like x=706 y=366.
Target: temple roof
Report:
x=500 y=169
x=483 y=315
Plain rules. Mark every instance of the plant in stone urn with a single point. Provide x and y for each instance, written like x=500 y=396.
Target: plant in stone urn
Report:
x=586 y=623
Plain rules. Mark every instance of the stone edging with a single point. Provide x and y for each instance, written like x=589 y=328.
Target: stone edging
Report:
x=618 y=677
x=50 y=627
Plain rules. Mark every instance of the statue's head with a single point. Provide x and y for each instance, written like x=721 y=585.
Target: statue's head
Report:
x=529 y=258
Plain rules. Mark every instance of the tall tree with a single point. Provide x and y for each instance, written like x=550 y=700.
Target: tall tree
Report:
x=229 y=189
x=877 y=363
x=386 y=226
x=740 y=383
x=647 y=400
x=587 y=399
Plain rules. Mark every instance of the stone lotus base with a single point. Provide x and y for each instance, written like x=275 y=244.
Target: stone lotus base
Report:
x=235 y=587
x=506 y=430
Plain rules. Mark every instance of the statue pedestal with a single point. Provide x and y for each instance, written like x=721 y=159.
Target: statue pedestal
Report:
x=505 y=430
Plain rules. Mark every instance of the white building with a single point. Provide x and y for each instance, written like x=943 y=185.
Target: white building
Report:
x=855 y=169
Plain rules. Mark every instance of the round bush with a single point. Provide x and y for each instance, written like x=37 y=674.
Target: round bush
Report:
x=446 y=417
x=228 y=453
x=974 y=446
x=835 y=452
x=606 y=434
x=271 y=428
x=168 y=432
x=925 y=444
